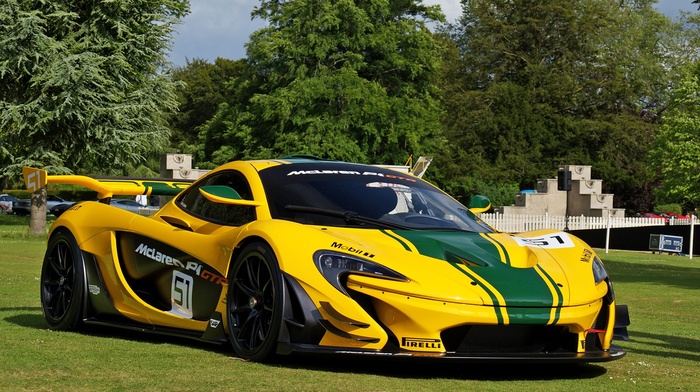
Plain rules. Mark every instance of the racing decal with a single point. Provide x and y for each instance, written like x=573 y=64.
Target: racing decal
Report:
x=165 y=188
x=398 y=239
x=502 y=254
x=496 y=298
x=558 y=299
x=168 y=278
x=587 y=256
x=351 y=173
x=489 y=269
x=154 y=254
x=197 y=268
x=420 y=343
x=181 y=294
x=351 y=249
x=34 y=179
x=553 y=241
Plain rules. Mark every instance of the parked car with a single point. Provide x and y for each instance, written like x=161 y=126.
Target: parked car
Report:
x=6 y=202
x=59 y=209
x=133 y=206
x=656 y=215
x=303 y=255
x=24 y=206
x=675 y=215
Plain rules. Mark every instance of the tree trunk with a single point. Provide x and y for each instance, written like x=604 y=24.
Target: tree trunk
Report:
x=37 y=220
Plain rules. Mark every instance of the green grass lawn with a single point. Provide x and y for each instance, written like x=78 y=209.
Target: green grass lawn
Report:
x=663 y=352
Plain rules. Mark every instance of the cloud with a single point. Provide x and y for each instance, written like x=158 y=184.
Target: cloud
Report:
x=214 y=28
x=451 y=8
x=220 y=28
x=672 y=8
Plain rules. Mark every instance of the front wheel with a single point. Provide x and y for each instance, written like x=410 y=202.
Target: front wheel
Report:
x=62 y=283
x=254 y=302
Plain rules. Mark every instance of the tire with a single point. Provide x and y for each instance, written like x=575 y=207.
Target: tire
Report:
x=254 y=303
x=63 y=283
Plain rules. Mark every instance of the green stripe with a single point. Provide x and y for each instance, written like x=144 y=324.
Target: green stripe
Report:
x=503 y=248
x=399 y=240
x=164 y=188
x=496 y=305
x=530 y=316
x=560 y=300
x=528 y=297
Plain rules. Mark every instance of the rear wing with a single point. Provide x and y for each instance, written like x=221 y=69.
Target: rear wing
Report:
x=36 y=179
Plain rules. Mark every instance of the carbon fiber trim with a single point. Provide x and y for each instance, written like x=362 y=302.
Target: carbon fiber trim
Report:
x=600 y=356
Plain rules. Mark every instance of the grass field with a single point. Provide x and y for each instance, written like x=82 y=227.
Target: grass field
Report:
x=663 y=352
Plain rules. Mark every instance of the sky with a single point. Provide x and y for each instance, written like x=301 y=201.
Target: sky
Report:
x=220 y=28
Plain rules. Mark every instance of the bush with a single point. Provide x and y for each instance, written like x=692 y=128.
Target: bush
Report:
x=68 y=194
x=672 y=207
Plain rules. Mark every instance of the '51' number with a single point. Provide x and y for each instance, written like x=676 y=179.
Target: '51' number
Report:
x=554 y=240
x=181 y=294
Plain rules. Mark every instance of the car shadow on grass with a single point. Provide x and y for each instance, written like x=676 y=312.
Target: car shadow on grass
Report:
x=405 y=368
x=29 y=317
x=665 y=346
x=414 y=368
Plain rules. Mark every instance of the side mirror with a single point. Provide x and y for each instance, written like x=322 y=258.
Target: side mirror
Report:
x=479 y=204
x=223 y=194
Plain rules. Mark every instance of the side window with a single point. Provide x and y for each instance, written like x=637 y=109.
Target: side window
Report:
x=193 y=202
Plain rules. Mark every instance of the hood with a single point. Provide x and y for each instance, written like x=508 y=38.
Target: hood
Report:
x=534 y=270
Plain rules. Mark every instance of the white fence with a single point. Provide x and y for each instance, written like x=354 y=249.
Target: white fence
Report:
x=519 y=223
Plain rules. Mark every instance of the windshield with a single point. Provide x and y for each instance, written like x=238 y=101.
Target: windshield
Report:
x=370 y=192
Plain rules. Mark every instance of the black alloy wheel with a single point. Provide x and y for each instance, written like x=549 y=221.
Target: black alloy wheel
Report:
x=254 y=303
x=62 y=282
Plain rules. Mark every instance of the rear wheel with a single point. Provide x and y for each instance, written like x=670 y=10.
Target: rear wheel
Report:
x=62 y=282
x=254 y=302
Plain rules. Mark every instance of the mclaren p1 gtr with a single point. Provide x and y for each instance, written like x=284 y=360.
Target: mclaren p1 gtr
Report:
x=301 y=255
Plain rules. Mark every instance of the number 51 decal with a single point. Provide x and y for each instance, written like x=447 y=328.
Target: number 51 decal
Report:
x=553 y=240
x=181 y=294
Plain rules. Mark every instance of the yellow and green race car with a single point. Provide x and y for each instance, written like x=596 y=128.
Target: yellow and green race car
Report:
x=305 y=255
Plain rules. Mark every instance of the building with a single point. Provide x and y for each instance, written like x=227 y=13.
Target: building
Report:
x=585 y=198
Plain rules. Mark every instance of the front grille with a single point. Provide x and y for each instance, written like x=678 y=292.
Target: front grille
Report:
x=494 y=339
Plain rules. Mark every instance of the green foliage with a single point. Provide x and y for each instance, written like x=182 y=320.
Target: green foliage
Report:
x=204 y=86
x=677 y=144
x=673 y=207
x=498 y=194
x=80 y=82
x=339 y=79
x=676 y=148
x=536 y=85
x=67 y=192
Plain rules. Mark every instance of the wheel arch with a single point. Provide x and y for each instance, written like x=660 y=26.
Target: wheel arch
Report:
x=299 y=313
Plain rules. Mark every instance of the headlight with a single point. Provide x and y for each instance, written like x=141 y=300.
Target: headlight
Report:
x=599 y=272
x=334 y=265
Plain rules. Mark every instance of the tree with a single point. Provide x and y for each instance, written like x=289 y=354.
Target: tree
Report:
x=339 y=79
x=677 y=144
x=676 y=149
x=80 y=82
x=543 y=84
x=204 y=87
